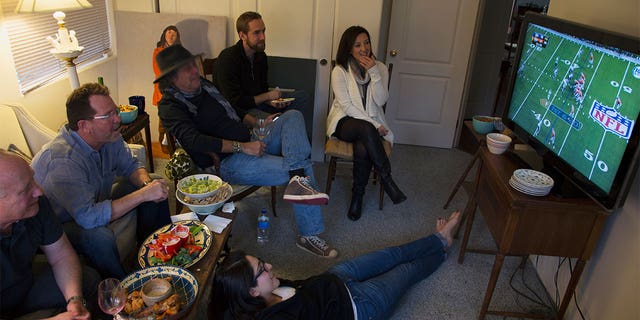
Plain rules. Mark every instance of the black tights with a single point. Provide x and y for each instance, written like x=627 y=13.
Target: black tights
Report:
x=368 y=151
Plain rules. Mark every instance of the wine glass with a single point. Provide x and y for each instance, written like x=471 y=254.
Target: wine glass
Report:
x=261 y=129
x=111 y=296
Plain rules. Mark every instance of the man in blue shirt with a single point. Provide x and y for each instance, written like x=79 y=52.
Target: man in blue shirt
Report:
x=77 y=171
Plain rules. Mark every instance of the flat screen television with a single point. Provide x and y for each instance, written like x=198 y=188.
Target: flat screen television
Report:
x=574 y=97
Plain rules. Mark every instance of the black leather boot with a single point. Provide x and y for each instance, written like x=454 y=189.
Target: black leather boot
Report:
x=361 y=171
x=355 y=208
x=392 y=189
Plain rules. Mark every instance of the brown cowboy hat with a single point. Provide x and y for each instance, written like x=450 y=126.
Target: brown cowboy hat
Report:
x=172 y=58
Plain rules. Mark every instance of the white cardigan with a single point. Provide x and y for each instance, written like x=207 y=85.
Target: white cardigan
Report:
x=347 y=101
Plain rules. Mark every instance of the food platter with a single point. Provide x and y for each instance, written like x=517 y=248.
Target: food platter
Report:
x=203 y=238
x=282 y=100
x=183 y=282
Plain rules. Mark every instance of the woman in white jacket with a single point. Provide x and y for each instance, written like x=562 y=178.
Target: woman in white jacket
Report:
x=359 y=84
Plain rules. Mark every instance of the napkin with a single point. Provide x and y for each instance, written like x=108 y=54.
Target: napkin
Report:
x=216 y=224
x=184 y=216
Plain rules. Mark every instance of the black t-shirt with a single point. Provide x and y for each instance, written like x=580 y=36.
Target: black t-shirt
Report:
x=18 y=250
x=320 y=297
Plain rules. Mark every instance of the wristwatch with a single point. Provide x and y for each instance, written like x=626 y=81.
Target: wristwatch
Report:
x=145 y=183
x=237 y=148
x=79 y=298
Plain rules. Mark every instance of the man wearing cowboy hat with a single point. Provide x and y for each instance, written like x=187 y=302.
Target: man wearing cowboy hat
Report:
x=202 y=120
x=94 y=183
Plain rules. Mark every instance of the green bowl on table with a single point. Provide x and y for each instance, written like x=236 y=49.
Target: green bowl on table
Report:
x=483 y=124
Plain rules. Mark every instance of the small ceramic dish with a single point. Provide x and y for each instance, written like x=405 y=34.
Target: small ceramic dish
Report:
x=155 y=290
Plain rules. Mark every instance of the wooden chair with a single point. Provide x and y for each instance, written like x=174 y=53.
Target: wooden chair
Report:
x=239 y=191
x=208 y=65
x=342 y=151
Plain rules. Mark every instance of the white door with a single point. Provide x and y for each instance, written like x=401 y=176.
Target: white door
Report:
x=429 y=46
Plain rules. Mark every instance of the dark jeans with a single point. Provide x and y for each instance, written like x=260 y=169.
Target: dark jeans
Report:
x=45 y=299
x=98 y=245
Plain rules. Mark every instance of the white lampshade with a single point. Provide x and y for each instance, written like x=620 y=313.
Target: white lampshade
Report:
x=30 y=6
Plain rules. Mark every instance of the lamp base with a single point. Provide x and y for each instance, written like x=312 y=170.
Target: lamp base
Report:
x=65 y=55
x=68 y=56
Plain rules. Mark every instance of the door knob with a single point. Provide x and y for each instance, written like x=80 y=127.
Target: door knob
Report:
x=393 y=52
x=323 y=62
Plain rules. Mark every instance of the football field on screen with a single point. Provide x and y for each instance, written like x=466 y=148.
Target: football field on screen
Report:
x=556 y=88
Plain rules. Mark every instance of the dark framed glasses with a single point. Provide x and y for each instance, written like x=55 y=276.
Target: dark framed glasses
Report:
x=261 y=269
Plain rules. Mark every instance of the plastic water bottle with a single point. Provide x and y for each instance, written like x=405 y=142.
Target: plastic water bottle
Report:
x=263 y=227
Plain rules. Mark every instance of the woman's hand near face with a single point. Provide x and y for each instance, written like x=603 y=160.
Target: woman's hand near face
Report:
x=383 y=131
x=366 y=62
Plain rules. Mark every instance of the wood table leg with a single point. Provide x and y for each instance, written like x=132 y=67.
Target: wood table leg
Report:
x=568 y=293
x=495 y=273
x=470 y=212
x=147 y=135
x=461 y=179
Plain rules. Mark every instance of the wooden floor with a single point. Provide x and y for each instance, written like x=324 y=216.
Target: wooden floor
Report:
x=157 y=151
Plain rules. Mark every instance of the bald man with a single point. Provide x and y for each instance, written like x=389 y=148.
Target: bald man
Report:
x=27 y=224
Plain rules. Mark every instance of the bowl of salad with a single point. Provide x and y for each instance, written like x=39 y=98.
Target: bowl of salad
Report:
x=208 y=205
x=199 y=186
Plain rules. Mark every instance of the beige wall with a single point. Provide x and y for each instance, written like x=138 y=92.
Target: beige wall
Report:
x=609 y=285
x=47 y=103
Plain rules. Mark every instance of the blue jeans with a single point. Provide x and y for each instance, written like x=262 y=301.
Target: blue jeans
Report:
x=287 y=148
x=377 y=280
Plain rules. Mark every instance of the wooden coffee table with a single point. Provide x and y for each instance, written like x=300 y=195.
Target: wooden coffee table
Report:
x=206 y=267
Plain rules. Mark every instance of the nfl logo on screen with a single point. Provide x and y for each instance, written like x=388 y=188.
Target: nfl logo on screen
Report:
x=611 y=120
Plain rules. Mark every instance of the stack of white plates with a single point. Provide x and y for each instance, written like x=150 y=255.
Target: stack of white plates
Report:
x=531 y=182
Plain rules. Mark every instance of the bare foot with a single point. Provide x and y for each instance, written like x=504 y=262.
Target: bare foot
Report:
x=448 y=226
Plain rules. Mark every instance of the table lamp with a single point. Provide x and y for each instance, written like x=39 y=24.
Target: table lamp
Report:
x=65 y=45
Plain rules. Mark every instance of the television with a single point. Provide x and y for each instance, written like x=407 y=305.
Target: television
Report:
x=574 y=97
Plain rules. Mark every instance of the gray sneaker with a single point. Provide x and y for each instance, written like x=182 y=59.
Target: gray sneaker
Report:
x=299 y=190
x=317 y=246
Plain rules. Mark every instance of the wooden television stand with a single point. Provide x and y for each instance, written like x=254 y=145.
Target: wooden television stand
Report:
x=522 y=225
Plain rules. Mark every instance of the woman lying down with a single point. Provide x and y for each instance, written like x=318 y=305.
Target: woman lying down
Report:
x=364 y=287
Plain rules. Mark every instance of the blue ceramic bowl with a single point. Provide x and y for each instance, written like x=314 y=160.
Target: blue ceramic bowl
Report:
x=483 y=124
x=127 y=117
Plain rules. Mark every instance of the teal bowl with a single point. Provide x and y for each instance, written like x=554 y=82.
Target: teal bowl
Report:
x=483 y=124
x=127 y=117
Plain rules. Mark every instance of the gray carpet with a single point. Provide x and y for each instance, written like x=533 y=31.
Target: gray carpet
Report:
x=426 y=175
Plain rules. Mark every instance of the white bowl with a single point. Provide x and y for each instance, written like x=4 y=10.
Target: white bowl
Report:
x=497 y=150
x=184 y=182
x=498 y=143
x=208 y=208
x=498 y=139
